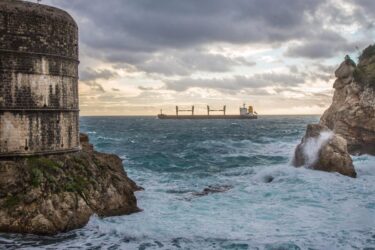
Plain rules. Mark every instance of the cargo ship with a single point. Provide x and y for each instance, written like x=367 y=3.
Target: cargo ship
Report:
x=245 y=113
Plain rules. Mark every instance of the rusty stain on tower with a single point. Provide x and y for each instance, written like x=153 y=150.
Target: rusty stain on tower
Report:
x=39 y=109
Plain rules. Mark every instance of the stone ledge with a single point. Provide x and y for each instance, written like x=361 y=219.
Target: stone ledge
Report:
x=51 y=152
x=40 y=54
x=37 y=110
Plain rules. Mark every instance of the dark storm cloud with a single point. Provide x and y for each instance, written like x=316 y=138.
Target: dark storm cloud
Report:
x=139 y=26
x=324 y=48
x=237 y=82
x=324 y=44
x=170 y=37
x=148 y=25
x=133 y=31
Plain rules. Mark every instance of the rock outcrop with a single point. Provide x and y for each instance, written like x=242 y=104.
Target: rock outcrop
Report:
x=321 y=149
x=213 y=190
x=352 y=113
x=51 y=194
x=348 y=125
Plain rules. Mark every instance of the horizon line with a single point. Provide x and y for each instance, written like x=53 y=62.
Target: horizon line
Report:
x=156 y=115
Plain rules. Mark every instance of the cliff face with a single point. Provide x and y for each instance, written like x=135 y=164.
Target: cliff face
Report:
x=352 y=113
x=348 y=125
x=57 y=193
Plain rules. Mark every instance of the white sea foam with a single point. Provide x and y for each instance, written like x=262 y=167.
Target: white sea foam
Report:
x=312 y=146
x=298 y=209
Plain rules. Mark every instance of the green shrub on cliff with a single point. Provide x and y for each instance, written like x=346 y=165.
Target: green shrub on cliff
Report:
x=76 y=185
x=367 y=52
x=42 y=168
x=43 y=163
x=36 y=177
x=365 y=71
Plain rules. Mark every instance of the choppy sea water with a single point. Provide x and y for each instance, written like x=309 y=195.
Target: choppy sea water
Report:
x=174 y=160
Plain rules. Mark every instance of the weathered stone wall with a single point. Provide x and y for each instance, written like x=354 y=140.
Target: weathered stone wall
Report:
x=38 y=79
x=38 y=132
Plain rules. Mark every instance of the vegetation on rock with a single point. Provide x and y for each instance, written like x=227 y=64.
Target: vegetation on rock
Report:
x=57 y=193
x=367 y=52
x=352 y=112
x=365 y=71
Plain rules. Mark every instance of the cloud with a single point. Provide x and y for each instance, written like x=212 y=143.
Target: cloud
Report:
x=366 y=7
x=215 y=49
x=237 y=83
x=150 y=25
x=184 y=63
x=90 y=77
x=316 y=49
x=323 y=45
x=328 y=69
x=94 y=86
x=90 y=74
x=168 y=37
x=145 y=88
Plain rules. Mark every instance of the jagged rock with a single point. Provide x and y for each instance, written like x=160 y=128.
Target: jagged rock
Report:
x=51 y=194
x=352 y=112
x=344 y=74
x=321 y=149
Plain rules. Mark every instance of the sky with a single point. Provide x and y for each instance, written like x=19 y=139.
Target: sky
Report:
x=140 y=56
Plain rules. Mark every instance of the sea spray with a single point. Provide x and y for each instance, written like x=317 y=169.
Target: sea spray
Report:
x=313 y=145
x=316 y=153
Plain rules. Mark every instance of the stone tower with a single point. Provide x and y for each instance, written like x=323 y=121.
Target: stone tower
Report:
x=39 y=107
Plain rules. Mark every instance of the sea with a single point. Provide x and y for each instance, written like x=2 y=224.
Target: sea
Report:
x=222 y=184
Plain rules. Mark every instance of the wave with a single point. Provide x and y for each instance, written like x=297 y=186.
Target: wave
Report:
x=312 y=146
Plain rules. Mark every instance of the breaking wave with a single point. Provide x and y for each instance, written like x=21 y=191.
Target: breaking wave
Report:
x=313 y=145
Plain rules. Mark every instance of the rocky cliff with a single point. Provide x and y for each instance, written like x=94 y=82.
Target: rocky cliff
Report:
x=352 y=113
x=57 y=193
x=348 y=125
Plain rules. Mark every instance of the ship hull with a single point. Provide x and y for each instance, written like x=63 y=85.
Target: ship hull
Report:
x=207 y=117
